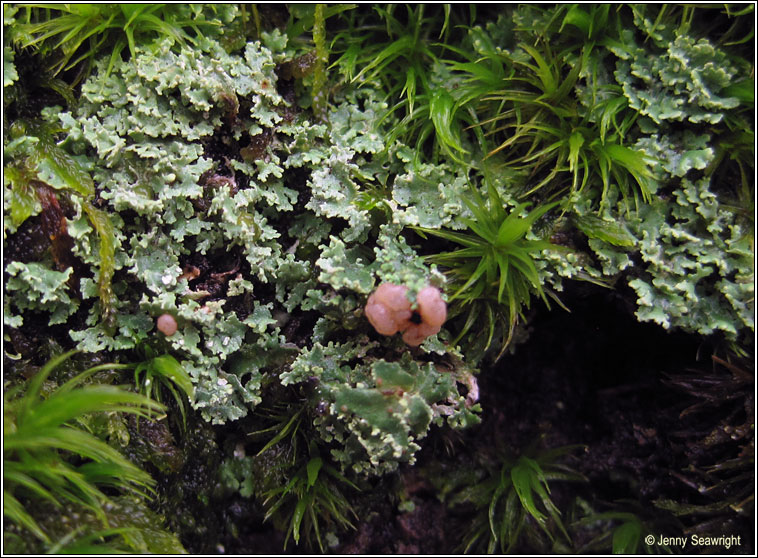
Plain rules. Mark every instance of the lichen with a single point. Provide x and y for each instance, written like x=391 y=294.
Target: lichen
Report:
x=684 y=82
x=378 y=410
x=232 y=212
x=699 y=272
x=34 y=287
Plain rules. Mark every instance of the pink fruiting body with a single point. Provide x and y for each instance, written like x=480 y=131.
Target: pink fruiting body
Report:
x=166 y=324
x=389 y=311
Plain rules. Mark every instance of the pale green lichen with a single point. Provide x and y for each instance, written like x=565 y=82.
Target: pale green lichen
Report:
x=694 y=264
x=378 y=410
x=283 y=227
x=147 y=122
x=343 y=267
x=677 y=153
x=701 y=277
x=429 y=195
x=685 y=82
x=34 y=287
x=687 y=253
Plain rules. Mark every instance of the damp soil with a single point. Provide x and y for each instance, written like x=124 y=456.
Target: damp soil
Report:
x=594 y=377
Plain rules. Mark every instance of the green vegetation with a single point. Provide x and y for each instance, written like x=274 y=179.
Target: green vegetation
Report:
x=516 y=499
x=399 y=52
x=493 y=275
x=300 y=491
x=82 y=32
x=50 y=455
x=310 y=497
x=255 y=172
x=163 y=370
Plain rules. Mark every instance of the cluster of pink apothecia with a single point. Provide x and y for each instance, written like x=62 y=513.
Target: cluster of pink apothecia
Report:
x=389 y=311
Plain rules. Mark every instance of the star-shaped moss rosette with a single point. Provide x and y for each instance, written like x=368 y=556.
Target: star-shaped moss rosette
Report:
x=493 y=276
